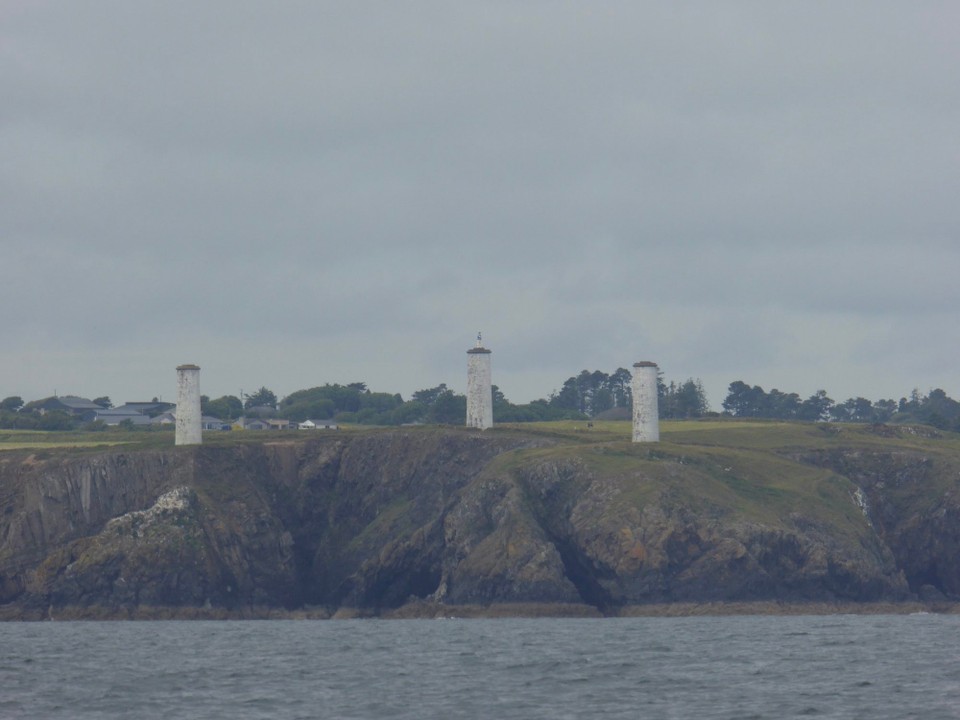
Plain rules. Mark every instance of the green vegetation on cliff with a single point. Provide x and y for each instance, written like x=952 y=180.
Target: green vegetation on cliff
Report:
x=561 y=514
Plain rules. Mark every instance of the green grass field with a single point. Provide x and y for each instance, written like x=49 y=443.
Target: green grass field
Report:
x=719 y=438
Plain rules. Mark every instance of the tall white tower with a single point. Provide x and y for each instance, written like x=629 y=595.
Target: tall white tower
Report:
x=188 y=406
x=646 y=417
x=479 y=387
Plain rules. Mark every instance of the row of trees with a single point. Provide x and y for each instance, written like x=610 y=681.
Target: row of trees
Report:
x=15 y=414
x=56 y=420
x=592 y=394
x=589 y=394
x=355 y=403
x=936 y=408
x=682 y=401
x=583 y=396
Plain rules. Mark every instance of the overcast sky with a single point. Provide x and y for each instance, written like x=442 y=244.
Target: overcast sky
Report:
x=294 y=193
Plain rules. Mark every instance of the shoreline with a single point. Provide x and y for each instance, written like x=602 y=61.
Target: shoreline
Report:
x=422 y=610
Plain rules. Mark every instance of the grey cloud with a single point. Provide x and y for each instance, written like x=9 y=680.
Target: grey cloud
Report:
x=723 y=188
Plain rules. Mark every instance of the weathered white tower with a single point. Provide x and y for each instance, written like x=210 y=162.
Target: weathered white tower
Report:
x=646 y=417
x=479 y=387
x=188 y=406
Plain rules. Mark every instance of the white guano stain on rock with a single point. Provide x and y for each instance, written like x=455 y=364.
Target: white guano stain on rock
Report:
x=176 y=500
x=860 y=498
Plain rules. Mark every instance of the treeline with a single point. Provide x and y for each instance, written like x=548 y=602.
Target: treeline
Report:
x=597 y=394
x=587 y=395
x=581 y=397
x=355 y=403
x=590 y=394
x=936 y=408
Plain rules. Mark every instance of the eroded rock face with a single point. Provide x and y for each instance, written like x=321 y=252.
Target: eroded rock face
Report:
x=912 y=499
x=128 y=529
x=376 y=519
x=616 y=551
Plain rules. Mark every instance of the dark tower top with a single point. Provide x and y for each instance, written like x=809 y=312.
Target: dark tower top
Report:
x=645 y=363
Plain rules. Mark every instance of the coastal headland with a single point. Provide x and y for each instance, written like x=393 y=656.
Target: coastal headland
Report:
x=565 y=518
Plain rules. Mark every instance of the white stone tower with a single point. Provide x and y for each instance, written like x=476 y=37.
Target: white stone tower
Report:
x=479 y=387
x=188 y=406
x=646 y=417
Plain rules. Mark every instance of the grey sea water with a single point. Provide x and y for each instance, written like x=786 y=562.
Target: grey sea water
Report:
x=721 y=667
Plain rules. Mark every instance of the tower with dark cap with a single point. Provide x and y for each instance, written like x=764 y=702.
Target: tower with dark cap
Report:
x=646 y=418
x=188 y=420
x=479 y=387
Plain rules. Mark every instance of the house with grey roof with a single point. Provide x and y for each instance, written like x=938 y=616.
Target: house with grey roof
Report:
x=207 y=422
x=152 y=408
x=256 y=423
x=115 y=416
x=70 y=404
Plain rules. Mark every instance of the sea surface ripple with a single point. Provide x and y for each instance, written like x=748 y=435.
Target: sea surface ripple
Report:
x=842 y=666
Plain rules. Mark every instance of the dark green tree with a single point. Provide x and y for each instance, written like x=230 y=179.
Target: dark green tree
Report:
x=568 y=398
x=408 y=413
x=619 y=384
x=12 y=403
x=449 y=408
x=429 y=396
x=261 y=397
x=939 y=409
x=857 y=410
x=601 y=401
x=816 y=407
x=781 y=405
x=590 y=393
x=745 y=401
x=884 y=410
x=56 y=420
x=691 y=399
x=379 y=402
x=226 y=407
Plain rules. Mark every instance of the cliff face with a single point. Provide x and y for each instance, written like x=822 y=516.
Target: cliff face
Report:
x=912 y=498
x=377 y=519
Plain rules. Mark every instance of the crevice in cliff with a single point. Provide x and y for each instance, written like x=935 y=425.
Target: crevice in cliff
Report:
x=579 y=571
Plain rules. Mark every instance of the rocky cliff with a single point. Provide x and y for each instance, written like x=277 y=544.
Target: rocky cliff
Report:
x=376 y=519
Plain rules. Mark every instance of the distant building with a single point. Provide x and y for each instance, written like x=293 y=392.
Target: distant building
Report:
x=256 y=423
x=208 y=422
x=152 y=408
x=115 y=416
x=70 y=404
x=319 y=425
